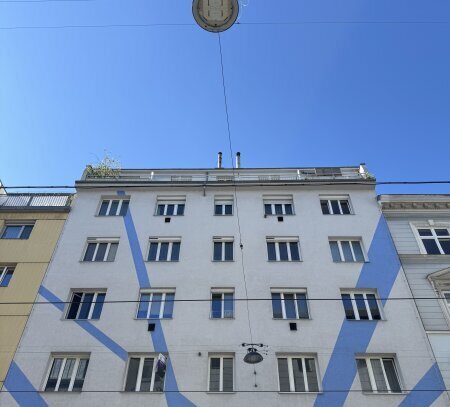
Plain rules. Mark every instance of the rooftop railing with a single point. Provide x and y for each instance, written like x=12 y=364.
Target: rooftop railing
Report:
x=35 y=201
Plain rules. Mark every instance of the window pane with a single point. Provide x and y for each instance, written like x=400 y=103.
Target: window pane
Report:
x=361 y=306
x=378 y=374
x=335 y=207
x=163 y=251
x=12 y=232
x=283 y=251
x=445 y=244
x=170 y=209
x=158 y=385
x=216 y=306
x=297 y=369
x=283 y=374
x=431 y=246
x=180 y=209
x=54 y=373
x=214 y=374
x=218 y=251
x=98 y=306
x=345 y=207
x=81 y=374
x=112 y=251
x=124 y=208
x=271 y=251
x=67 y=375
x=100 y=255
x=311 y=374
x=89 y=255
x=335 y=251
x=228 y=305
x=168 y=305
x=7 y=278
x=302 y=306
x=359 y=256
x=425 y=232
x=113 y=209
x=324 y=206
x=391 y=375
x=364 y=377
x=288 y=209
x=218 y=210
x=268 y=209
x=276 y=305
x=278 y=209
x=228 y=251
x=143 y=306
x=147 y=374
x=347 y=251
x=133 y=368
x=156 y=305
x=152 y=252
x=295 y=256
x=26 y=232
x=441 y=232
x=228 y=209
x=161 y=209
x=373 y=305
x=347 y=302
x=289 y=305
x=103 y=208
x=175 y=251
x=74 y=305
x=86 y=305
x=227 y=374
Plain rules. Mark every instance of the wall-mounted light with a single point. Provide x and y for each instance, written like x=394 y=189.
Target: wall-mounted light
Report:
x=253 y=356
x=215 y=15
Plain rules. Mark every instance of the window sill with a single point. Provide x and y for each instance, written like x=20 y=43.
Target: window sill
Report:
x=141 y=392
x=222 y=319
x=152 y=319
x=365 y=320
x=351 y=262
x=222 y=261
x=162 y=261
x=220 y=392
x=60 y=392
x=284 y=261
x=292 y=319
x=301 y=392
x=375 y=393
x=168 y=216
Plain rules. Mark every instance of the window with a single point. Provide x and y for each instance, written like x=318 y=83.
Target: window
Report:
x=282 y=249
x=101 y=250
x=155 y=304
x=86 y=305
x=144 y=374
x=289 y=305
x=170 y=206
x=223 y=206
x=67 y=373
x=114 y=207
x=279 y=206
x=435 y=240
x=361 y=305
x=446 y=296
x=335 y=206
x=297 y=374
x=221 y=373
x=6 y=274
x=164 y=249
x=222 y=303
x=378 y=374
x=347 y=251
x=223 y=249
x=17 y=231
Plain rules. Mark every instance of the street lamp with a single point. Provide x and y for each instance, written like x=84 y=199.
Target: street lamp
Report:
x=215 y=15
x=253 y=356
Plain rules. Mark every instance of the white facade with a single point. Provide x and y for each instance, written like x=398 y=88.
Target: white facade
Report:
x=191 y=335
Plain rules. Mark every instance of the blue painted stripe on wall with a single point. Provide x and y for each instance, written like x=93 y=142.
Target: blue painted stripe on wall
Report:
x=50 y=297
x=432 y=380
x=21 y=388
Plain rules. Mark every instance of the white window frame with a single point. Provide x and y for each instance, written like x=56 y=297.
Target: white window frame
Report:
x=221 y=356
x=121 y=199
x=431 y=226
x=294 y=291
x=443 y=293
x=222 y=202
x=142 y=358
x=337 y=198
x=4 y=270
x=222 y=291
x=223 y=240
x=97 y=241
x=373 y=383
x=291 y=373
x=163 y=292
x=159 y=240
x=278 y=200
x=287 y=240
x=170 y=200
x=366 y=303
x=339 y=241
x=65 y=356
x=12 y=224
x=84 y=291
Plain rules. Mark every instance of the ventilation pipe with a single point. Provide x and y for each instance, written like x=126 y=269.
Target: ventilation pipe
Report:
x=238 y=160
x=219 y=160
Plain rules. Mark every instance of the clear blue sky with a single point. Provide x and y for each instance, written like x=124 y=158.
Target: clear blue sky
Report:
x=354 y=81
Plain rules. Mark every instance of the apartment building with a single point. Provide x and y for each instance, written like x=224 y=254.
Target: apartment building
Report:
x=161 y=275
x=30 y=225
x=420 y=227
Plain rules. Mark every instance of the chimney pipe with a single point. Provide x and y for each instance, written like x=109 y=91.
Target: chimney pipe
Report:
x=238 y=160
x=219 y=160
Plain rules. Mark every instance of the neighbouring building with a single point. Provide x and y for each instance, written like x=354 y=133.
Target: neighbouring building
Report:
x=420 y=227
x=30 y=225
x=159 y=275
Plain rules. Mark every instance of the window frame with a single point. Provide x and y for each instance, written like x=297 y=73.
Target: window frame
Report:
x=223 y=240
x=350 y=240
x=223 y=202
x=277 y=240
x=152 y=291
x=4 y=271
x=97 y=241
x=16 y=224
x=84 y=291
x=283 y=201
x=431 y=226
x=170 y=200
x=364 y=293
x=121 y=200
x=159 y=241
x=294 y=291
x=367 y=358
x=302 y=356
x=337 y=198
x=222 y=291
x=221 y=356
x=78 y=357
x=142 y=357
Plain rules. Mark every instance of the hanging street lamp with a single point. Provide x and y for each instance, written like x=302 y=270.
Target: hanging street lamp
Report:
x=215 y=15
x=253 y=356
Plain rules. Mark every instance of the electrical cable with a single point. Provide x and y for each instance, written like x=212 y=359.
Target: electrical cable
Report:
x=237 y=391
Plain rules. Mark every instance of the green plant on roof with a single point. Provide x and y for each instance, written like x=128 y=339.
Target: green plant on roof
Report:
x=108 y=167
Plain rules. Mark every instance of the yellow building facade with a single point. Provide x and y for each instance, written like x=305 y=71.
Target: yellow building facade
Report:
x=30 y=226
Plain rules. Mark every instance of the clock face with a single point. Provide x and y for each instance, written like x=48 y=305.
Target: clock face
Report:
x=215 y=15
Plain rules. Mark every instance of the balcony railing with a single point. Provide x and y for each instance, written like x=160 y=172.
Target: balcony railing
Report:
x=35 y=201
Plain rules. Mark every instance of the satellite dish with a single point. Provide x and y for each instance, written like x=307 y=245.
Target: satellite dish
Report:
x=215 y=15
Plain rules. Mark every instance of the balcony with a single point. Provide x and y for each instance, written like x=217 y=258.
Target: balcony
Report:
x=35 y=202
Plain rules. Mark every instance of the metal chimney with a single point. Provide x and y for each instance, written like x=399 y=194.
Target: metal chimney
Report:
x=238 y=160
x=219 y=160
